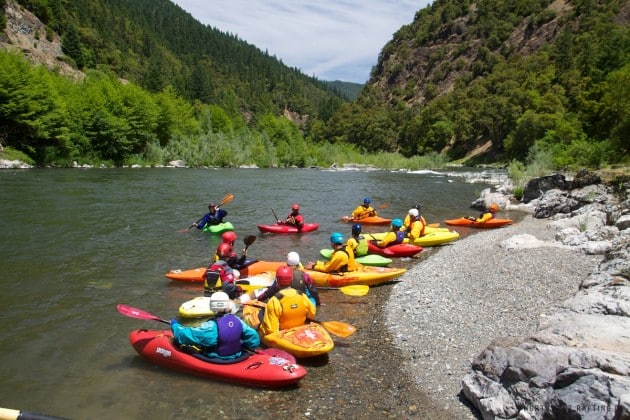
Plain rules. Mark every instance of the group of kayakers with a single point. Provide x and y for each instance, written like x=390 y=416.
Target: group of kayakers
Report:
x=292 y=298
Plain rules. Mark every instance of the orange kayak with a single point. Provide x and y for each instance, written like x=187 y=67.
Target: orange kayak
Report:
x=196 y=275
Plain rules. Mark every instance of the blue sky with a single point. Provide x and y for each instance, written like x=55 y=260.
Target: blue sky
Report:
x=328 y=39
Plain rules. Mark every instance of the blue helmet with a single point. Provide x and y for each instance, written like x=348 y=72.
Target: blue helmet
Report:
x=356 y=229
x=336 y=238
x=397 y=223
x=367 y=201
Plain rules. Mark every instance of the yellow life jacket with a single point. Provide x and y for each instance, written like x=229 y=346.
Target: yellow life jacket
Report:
x=293 y=309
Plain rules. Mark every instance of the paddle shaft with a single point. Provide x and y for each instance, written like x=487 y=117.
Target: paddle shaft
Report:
x=381 y=207
x=10 y=414
x=275 y=215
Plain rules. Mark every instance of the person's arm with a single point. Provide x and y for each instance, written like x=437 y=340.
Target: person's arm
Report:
x=484 y=218
x=336 y=262
x=199 y=224
x=387 y=239
x=271 y=319
x=311 y=310
x=249 y=337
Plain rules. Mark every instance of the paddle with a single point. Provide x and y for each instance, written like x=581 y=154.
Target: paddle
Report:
x=8 y=413
x=227 y=199
x=355 y=290
x=275 y=215
x=140 y=314
x=249 y=239
x=337 y=328
x=381 y=207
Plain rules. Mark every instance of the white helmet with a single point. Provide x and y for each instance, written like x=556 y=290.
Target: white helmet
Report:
x=293 y=258
x=413 y=212
x=220 y=303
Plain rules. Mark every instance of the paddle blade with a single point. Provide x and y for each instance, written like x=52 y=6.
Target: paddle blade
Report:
x=138 y=313
x=249 y=239
x=339 y=328
x=226 y=199
x=355 y=290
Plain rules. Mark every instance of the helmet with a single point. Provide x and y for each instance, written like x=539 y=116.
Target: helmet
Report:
x=414 y=212
x=224 y=250
x=293 y=258
x=367 y=201
x=284 y=275
x=295 y=206
x=336 y=238
x=211 y=206
x=493 y=208
x=356 y=229
x=397 y=223
x=228 y=237
x=220 y=302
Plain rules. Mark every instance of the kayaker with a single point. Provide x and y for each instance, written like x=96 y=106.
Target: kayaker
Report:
x=364 y=210
x=223 y=337
x=487 y=215
x=338 y=262
x=294 y=218
x=394 y=236
x=417 y=224
x=214 y=217
x=288 y=308
x=357 y=243
x=229 y=238
x=223 y=269
x=407 y=221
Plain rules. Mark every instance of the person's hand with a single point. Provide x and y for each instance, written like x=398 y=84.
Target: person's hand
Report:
x=309 y=265
x=173 y=322
x=243 y=299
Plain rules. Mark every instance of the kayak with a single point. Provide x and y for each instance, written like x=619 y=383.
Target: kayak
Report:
x=369 y=259
x=196 y=275
x=489 y=224
x=308 y=227
x=367 y=275
x=304 y=341
x=397 y=250
x=220 y=228
x=258 y=369
x=433 y=238
x=370 y=220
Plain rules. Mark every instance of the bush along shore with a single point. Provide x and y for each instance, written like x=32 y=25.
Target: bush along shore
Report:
x=547 y=297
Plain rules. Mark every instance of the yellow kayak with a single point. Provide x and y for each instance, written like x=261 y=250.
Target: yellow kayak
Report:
x=431 y=238
x=366 y=275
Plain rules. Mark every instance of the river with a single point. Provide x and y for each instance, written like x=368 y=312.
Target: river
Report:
x=76 y=242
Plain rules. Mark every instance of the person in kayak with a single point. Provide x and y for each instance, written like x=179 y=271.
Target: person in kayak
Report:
x=357 y=242
x=394 y=236
x=223 y=337
x=407 y=221
x=364 y=210
x=223 y=269
x=486 y=215
x=288 y=308
x=417 y=224
x=214 y=217
x=338 y=262
x=294 y=218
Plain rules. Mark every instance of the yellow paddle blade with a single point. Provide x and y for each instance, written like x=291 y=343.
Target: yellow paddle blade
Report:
x=339 y=328
x=355 y=290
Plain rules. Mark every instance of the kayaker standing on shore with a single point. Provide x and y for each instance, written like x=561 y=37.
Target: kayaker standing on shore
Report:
x=338 y=262
x=417 y=224
x=294 y=218
x=214 y=217
x=487 y=215
x=288 y=308
x=223 y=337
x=364 y=210
x=394 y=236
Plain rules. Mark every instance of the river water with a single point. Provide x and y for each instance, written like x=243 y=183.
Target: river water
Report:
x=76 y=242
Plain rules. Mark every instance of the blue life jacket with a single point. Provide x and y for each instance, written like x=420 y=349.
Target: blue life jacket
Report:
x=230 y=330
x=400 y=237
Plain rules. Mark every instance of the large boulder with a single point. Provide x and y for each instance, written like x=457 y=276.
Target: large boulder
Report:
x=536 y=187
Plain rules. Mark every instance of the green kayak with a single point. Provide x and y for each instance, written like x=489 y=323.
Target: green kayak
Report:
x=370 y=259
x=220 y=228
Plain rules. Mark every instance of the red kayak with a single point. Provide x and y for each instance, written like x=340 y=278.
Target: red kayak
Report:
x=370 y=220
x=258 y=369
x=196 y=275
x=489 y=224
x=278 y=228
x=397 y=250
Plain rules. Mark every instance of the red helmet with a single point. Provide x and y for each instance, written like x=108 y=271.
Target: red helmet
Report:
x=211 y=206
x=295 y=206
x=228 y=237
x=284 y=275
x=224 y=250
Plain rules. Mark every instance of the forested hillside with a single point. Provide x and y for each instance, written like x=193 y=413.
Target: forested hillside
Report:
x=499 y=80
x=534 y=81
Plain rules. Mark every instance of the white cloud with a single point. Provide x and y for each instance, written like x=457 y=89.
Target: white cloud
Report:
x=329 y=39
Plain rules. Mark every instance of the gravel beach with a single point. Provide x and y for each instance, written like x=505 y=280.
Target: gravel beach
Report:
x=452 y=305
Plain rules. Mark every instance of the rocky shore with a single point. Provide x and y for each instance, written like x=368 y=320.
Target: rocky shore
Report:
x=529 y=321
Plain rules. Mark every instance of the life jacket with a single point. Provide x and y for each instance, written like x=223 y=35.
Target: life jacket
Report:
x=293 y=310
x=400 y=237
x=343 y=268
x=362 y=246
x=217 y=270
x=229 y=337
